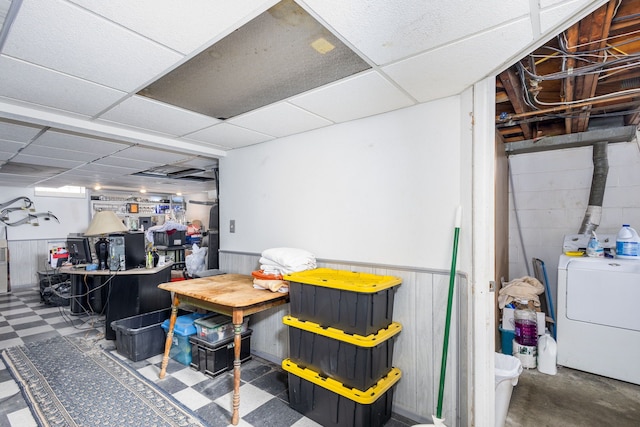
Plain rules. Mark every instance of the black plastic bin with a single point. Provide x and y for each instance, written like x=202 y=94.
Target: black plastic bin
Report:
x=355 y=361
x=214 y=358
x=330 y=403
x=140 y=337
x=357 y=303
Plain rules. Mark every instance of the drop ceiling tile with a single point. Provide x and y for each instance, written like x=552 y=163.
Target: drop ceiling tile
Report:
x=5 y=155
x=438 y=73
x=191 y=24
x=201 y=163
x=10 y=146
x=107 y=170
x=46 y=161
x=280 y=120
x=57 y=153
x=18 y=132
x=554 y=13
x=78 y=142
x=391 y=30
x=18 y=180
x=363 y=95
x=143 y=112
x=72 y=40
x=229 y=136
x=153 y=155
x=126 y=163
x=49 y=88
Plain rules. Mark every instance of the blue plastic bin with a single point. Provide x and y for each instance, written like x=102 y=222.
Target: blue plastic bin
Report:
x=183 y=329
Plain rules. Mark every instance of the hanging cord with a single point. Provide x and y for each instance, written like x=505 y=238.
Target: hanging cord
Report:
x=515 y=210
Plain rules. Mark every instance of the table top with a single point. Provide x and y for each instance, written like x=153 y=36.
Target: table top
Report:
x=83 y=271
x=230 y=290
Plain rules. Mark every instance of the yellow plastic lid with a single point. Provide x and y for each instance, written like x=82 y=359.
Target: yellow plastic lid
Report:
x=365 y=397
x=344 y=279
x=338 y=334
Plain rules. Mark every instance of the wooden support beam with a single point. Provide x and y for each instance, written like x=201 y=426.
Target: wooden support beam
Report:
x=514 y=90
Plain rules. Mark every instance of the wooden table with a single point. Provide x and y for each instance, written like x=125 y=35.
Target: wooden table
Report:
x=230 y=294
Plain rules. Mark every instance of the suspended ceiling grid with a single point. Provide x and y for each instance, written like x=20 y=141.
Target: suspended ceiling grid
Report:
x=72 y=70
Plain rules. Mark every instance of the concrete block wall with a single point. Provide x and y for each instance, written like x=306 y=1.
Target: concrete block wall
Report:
x=551 y=192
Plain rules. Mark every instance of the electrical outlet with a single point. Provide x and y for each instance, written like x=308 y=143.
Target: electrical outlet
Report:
x=232 y=226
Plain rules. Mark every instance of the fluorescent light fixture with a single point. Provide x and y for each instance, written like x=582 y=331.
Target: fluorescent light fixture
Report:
x=281 y=53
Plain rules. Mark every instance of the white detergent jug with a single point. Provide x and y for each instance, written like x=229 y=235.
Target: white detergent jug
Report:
x=627 y=243
x=547 y=353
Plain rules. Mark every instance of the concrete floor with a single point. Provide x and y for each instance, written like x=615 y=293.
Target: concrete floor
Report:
x=573 y=398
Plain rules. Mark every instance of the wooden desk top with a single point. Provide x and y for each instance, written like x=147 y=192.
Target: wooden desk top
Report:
x=83 y=271
x=230 y=290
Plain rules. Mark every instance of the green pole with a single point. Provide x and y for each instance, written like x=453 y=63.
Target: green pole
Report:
x=447 y=325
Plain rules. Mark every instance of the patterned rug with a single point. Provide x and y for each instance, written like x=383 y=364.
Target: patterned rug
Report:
x=69 y=381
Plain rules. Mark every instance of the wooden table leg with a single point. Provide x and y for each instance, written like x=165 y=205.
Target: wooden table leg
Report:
x=237 y=340
x=169 y=341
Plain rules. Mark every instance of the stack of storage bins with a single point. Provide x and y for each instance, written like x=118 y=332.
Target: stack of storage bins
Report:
x=341 y=339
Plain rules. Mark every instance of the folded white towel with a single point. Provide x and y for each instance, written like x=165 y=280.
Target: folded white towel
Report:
x=289 y=256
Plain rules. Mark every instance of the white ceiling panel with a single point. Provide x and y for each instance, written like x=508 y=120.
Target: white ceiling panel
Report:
x=18 y=132
x=57 y=153
x=72 y=141
x=434 y=74
x=154 y=156
x=363 y=95
x=392 y=30
x=38 y=85
x=5 y=155
x=143 y=112
x=58 y=35
x=10 y=146
x=171 y=23
x=108 y=170
x=554 y=13
x=280 y=120
x=126 y=163
x=229 y=136
x=46 y=161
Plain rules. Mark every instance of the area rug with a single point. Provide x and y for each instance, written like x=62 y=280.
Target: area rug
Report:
x=70 y=381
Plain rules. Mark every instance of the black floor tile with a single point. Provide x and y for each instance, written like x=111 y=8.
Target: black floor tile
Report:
x=274 y=413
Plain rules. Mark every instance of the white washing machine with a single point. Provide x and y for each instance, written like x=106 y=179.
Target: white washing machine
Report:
x=598 y=316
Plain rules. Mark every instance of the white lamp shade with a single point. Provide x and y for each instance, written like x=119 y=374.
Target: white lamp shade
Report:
x=105 y=222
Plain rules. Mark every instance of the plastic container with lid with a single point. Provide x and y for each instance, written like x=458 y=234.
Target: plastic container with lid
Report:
x=526 y=323
x=627 y=243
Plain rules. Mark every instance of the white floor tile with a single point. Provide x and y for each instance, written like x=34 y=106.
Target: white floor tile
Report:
x=22 y=418
x=150 y=372
x=191 y=399
x=32 y=331
x=189 y=376
x=7 y=312
x=305 y=422
x=13 y=342
x=8 y=388
x=23 y=320
x=251 y=397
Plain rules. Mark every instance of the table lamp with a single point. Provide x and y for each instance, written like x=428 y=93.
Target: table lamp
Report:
x=103 y=224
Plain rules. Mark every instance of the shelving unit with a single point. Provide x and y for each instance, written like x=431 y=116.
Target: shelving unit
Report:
x=131 y=209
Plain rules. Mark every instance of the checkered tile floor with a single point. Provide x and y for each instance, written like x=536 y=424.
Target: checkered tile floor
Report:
x=263 y=393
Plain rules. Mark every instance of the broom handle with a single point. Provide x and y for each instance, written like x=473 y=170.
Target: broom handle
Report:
x=447 y=325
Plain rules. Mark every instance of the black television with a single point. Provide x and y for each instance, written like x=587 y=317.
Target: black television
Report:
x=79 y=250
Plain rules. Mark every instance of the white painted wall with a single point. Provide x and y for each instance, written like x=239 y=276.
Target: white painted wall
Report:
x=383 y=189
x=552 y=193
x=73 y=214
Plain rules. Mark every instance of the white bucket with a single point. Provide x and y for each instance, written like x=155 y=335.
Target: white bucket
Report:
x=547 y=353
x=527 y=354
x=507 y=372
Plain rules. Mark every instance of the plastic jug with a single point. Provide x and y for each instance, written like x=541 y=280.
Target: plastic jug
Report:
x=627 y=243
x=547 y=354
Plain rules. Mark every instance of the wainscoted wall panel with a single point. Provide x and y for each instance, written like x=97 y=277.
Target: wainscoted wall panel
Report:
x=420 y=306
x=26 y=258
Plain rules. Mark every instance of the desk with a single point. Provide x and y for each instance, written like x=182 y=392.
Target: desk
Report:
x=230 y=294
x=124 y=294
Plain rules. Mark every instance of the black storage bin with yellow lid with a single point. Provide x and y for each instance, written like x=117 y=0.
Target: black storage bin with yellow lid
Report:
x=354 y=302
x=354 y=360
x=330 y=403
